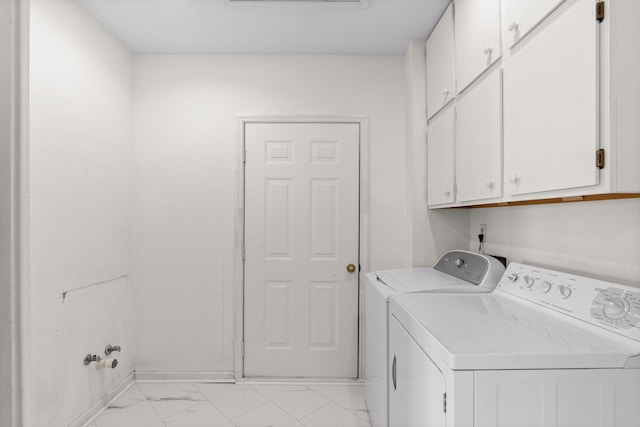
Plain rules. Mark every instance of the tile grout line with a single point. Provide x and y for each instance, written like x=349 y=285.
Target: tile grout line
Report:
x=285 y=411
x=182 y=410
x=349 y=410
x=220 y=410
x=313 y=412
x=249 y=410
x=151 y=406
x=195 y=402
x=213 y=404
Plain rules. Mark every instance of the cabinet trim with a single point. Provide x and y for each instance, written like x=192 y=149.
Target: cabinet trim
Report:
x=590 y=198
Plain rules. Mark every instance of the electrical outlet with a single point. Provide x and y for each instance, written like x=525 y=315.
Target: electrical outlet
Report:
x=483 y=230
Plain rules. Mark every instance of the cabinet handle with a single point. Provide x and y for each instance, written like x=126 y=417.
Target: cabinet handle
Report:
x=489 y=183
x=446 y=91
x=446 y=193
x=393 y=372
x=514 y=26
x=488 y=50
x=514 y=178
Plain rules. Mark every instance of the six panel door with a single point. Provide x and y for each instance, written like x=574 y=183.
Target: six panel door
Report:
x=301 y=233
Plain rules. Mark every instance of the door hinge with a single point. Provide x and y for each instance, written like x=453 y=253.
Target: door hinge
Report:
x=242 y=349
x=444 y=402
x=244 y=155
x=600 y=158
x=600 y=11
x=243 y=252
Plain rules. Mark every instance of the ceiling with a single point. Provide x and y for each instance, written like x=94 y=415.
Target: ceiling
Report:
x=373 y=27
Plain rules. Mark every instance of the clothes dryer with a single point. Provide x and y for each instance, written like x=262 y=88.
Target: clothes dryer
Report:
x=455 y=272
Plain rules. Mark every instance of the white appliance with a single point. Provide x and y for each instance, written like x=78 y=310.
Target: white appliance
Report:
x=545 y=349
x=455 y=271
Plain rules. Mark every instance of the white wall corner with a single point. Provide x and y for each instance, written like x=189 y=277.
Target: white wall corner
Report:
x=13 y=109
x=415 y=116
x=431 y=232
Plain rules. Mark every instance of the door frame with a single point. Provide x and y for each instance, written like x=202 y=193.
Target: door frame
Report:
x=14 y=274
x=363 y=217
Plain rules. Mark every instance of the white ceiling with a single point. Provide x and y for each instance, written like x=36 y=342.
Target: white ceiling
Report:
x=377 y=27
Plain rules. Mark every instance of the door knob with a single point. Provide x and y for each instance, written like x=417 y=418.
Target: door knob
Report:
x=351 y=268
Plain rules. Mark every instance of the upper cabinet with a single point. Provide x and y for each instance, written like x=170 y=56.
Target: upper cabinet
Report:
x=477 y=38
x=551 y=104
x=440 y=74
x=440 y=157
x=546 y=109
x=478 y=143
x=521 y=16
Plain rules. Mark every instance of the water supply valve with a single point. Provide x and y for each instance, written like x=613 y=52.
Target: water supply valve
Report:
x=111 y=348
x=91 y=358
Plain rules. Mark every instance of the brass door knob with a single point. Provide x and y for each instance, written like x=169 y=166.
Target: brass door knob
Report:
x=351 y=268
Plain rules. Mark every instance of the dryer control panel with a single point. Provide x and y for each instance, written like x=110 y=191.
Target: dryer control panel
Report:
x=608 y=305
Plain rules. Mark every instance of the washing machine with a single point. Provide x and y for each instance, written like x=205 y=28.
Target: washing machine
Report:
x=544 y=349
x=455 y=272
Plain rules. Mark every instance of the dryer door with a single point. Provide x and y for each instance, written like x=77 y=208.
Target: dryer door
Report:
x=416 y=388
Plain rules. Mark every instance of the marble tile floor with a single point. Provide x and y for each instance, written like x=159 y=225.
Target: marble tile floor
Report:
x=166 y=404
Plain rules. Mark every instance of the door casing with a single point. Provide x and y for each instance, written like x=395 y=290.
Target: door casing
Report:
x=238 y=259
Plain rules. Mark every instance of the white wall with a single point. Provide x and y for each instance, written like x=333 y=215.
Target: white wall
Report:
x=7 y=173
x=186 y=160
x=599 y=239
x=430 y=232
x=80 y=209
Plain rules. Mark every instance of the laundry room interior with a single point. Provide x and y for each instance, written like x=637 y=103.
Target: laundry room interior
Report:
x=127 y=166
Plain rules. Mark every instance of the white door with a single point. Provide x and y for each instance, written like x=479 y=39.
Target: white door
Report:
x=301 y=238
x=417 y=389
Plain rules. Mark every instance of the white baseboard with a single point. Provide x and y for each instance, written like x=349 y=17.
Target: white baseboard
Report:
x=300 y=381
x=96 y=408
x=184 y=376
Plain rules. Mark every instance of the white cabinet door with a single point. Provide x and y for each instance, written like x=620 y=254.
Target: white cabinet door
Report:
x=477 y=38
x=416 y=389
x=561 y=397
x=440 y=148
x=521 y=16
x=479 y=140
x=551 y=105
x=440 y=75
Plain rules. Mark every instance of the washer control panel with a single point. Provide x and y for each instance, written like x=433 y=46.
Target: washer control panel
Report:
x=464 y=265
x=608 y=305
